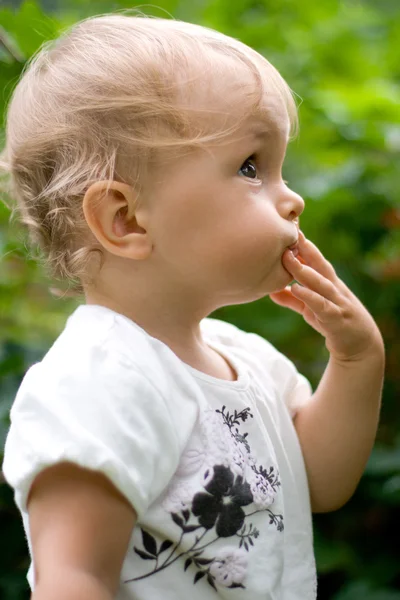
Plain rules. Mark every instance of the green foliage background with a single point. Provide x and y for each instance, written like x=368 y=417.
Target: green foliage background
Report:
x=343 y=60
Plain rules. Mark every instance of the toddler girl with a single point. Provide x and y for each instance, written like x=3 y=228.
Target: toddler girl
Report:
x=156 y=452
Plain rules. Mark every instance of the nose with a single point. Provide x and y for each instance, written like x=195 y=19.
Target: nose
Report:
x=291 y=204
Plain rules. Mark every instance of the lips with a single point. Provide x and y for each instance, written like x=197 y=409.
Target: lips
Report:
x=294 y=248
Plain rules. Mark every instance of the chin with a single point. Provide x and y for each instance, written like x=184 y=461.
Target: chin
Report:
x=280 y=287
x=264 y=288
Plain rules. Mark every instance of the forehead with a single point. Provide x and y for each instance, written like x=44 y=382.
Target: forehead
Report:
x=273 y=110
x=270 y=122
x=242 y=105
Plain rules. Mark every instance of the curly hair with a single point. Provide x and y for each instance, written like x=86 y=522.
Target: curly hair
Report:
x=108 y=99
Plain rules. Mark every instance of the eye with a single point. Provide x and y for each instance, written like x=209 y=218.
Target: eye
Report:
x=248 y=168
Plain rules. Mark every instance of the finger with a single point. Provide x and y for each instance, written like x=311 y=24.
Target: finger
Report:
x=315 y=259
x=310 y=278
x=324 y=310
x=286 y=298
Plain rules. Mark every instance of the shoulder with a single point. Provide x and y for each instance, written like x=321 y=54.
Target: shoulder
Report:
x=103 y=359
x=263 y=357
x=92 y=401
x=98 y=345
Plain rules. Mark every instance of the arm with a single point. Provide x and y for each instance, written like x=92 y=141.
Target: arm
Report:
x=337 y=428
x=80 y=530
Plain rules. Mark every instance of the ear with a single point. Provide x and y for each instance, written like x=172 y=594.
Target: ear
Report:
x=109 y=209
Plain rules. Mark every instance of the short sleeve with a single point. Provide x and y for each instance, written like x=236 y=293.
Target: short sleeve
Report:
x=101 y=414
x=293 y=387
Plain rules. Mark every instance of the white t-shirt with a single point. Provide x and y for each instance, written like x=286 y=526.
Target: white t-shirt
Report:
x=213 y=468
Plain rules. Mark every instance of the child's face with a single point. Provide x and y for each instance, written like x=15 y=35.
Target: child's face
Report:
x=222 y=221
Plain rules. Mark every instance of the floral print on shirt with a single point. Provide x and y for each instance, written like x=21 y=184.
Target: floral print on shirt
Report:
x=231 y=481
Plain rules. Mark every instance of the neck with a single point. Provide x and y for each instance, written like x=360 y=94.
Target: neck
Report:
x=170 y=322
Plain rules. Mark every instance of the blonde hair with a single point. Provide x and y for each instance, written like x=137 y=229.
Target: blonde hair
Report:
x=107 y=100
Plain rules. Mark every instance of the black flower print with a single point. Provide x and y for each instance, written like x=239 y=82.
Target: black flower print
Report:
x=222 y=504
x=234 y=420
x=231 y=482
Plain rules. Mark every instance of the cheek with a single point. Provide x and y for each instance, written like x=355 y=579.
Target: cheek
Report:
x=183 y=226
x=255 y=229
x=245 y=244
x=218 y=230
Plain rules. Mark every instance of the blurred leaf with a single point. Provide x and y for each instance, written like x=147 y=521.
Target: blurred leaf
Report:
x=384 y=461
x=361 y=590
x=29 y=28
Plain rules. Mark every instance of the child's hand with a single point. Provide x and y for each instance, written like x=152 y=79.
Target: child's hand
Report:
x=328 y=305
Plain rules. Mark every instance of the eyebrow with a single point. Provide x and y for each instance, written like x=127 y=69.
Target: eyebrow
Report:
x=261 y=132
